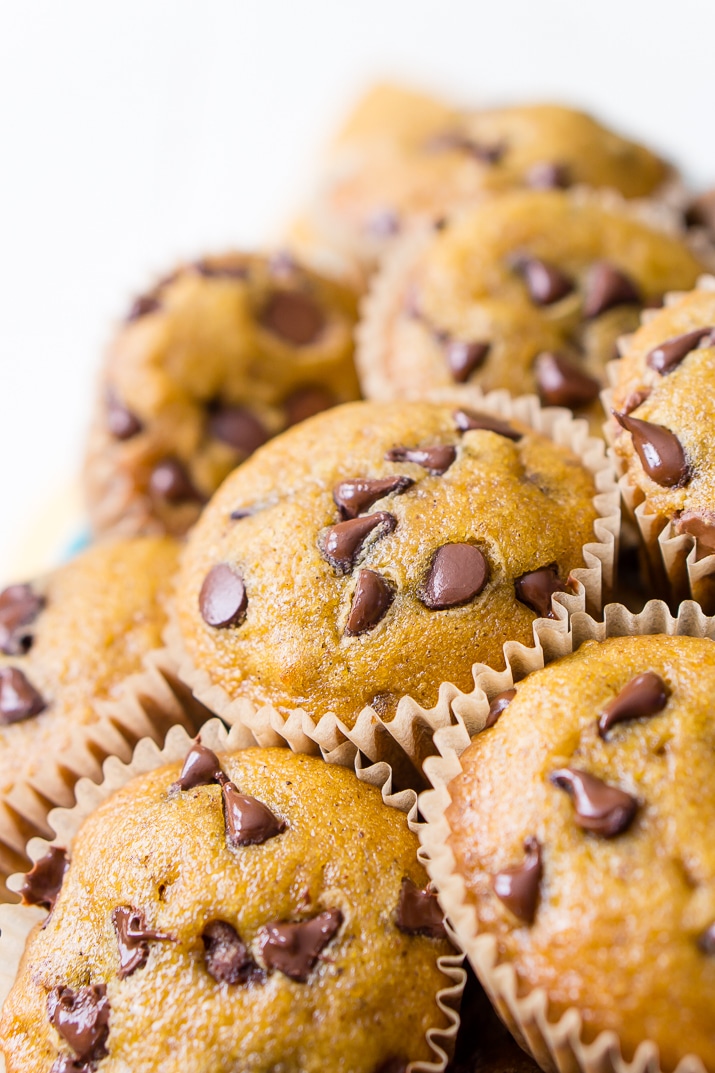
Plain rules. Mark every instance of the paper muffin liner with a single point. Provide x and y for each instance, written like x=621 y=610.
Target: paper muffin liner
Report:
x=405 y=740
x=18 y=921
x=555 y=1044
x=151 y=701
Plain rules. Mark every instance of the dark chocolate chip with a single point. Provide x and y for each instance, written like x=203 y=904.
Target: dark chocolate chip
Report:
x=223 y=600
x=18 y=697
x=133 y=938
x=121 y=422
x=227 y=957
x=64 y=1063
x=634 y=400
x=545 y=282
x=598 y=807
x=546 y=175
x=706 y=941
x=457 y=573
x=238 y=427
x=371 y=600
x=701 y=211
x=82 y=1019
x=19 y=607
x=354 y=497
x=561 y=383
x=497 y=706
x=644 y=695
x=383 y=223
x=465 y=358
x=241 y=512
x=229 y=266
x=247 y=820
x=341 y=543
x=668 y=355
x=518 y=887
x=435 y=459
x=293 y=316
x=698 y=524
x=170 y=482
x=142 y=306
x=607 y=287
x=201 y=767
x=293 y=949
x=467 y=420
x=419 y=912
x=307 y=401
x=43 y=882
x=536 y=588
x=660 y=451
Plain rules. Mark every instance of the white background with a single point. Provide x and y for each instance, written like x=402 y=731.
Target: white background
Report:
x=138 y=131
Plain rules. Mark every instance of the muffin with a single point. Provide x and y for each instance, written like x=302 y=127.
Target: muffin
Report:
x=215 y=359
x=379 y=550
x=250 y=900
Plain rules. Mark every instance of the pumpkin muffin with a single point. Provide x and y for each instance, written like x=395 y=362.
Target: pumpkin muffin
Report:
x=249 y=918
x=597 y=879
x=213 y=361
x=379 y=550
x=527 y=293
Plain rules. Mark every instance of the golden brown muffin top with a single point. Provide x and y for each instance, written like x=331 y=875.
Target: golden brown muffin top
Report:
x=582 y=826
x=377 y=550
x=255 y=925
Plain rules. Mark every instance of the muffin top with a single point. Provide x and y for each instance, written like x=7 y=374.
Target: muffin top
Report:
x=240 y=915
x=598 y=877
x=664 y=422
x=219 y=356
x=378 y=550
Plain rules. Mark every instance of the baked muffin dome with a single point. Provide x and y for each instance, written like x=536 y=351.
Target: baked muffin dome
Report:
x=597 y=877
x=254 y=925
x=378 y=550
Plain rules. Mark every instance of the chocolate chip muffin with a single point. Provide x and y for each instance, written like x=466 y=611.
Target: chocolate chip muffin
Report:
x=213 y=361
x=597 y=879
x=379 y=550
x=250 y=920
x=527 y=293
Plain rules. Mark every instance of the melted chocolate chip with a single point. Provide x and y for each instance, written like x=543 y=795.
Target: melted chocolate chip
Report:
x=497 y=706
x=371 y=600
x=82 y=1019
x=706 y=941
x=419 y=912
x=223 y=600
x=227 y=957
x=19 y=607
x=435 y=459
x=201 y=767
x=293 y=949
x=341 y=543
x=457 y=573
x=247 y=820
x=561 y=383
x=660 y=451
x=237 y=427
x=634 y=400
x=545 y=282
x=668 y=355
x=43 y=882
x=121 y=422
x=465 y=358
x=307 y=401
x=170 y=482
x=598 y=807
x=644 y=695
x=293 y=316
x=133 y=938
x=698 y=524
x=518 y=887
x=467 y=420
x=383 y=223
x=18 y=697
x=607 y=287
x=536 y=588
x=142 y=306
x=545 y=175
x=354 y=497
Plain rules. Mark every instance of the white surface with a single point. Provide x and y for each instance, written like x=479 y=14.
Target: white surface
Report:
x=134 y=132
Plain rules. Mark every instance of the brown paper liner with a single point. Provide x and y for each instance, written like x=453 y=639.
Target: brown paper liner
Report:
x=17 y=921
x=555 y=1044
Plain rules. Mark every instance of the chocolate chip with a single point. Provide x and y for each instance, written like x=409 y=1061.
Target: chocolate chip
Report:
x=435 y=459
x=668 y=355
x=18 y=697
x=201 y=767
x=371 y=600
x=353 y=497
x=393 y=1064
x=634 y=400
x=64 y=1063
x=545 y=282
x=644 y=695
x=706 y=941
x=607 y=287
x=419 y=912
x=82 y=1018
x=660 y=451
x=598 y=807
x=536 y=588
x=457 y=573
x=561 y=383
x=43 y=882
x=383 y=223
x=121 y=422
x=307 y=401
x=701 y=211
x=342 y=543
x=19 y=607
x=247 y=820
x=518 y=887
x=223 y=600
x=170 y=482
x=142 y=306
x=546 y=175
x=293 y=949
x=497 y=706
x=229 y=266
x=238 y=427
x=465 y=358
x=227 y=957
x=133 y=938
x=698 y=524
x=467 y=420
x=293 y=316
x=241 y=512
